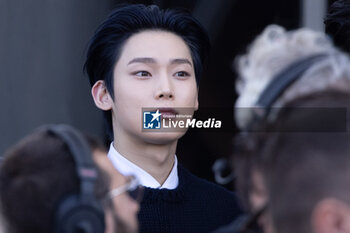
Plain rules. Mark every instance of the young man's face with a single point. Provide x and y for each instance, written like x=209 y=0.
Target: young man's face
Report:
x=155 y=70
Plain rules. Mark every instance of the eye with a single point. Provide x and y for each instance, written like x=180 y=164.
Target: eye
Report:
x=182 y=74
x=142 y=73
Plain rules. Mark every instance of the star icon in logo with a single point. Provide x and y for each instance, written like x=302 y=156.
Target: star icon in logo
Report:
x=155 y=115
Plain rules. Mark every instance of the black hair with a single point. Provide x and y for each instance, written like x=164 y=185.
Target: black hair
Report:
x=337 y=24
x=107 y=43
x=35 y=176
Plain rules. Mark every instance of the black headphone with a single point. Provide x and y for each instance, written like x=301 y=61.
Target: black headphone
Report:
x=279 y=84
x=79 y=213
x=276 y=87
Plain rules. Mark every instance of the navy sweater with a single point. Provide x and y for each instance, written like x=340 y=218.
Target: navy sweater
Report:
x=195 y=206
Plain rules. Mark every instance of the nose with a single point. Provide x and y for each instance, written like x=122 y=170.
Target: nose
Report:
x=164 y=88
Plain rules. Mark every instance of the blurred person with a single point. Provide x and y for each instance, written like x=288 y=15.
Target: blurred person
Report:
x=307 y=173
x=337 y=24
x=36 y=196
x=142 y=56
x=274 y=51
x=126 y=207
x=279 y=66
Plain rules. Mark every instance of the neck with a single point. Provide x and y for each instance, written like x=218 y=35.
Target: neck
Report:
x=156 y=159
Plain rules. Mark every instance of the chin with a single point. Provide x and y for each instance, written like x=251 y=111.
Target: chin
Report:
x=162 y=138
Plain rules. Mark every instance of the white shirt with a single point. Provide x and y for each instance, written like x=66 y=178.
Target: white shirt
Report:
x=127 y=168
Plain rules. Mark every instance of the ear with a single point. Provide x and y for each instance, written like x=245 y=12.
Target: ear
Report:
x=331 y=216
x=101 y=96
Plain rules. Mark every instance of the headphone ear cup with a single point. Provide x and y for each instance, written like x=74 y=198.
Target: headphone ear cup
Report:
x=75 y=216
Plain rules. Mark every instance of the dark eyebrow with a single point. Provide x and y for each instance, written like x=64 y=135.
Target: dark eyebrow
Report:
x=142 y=60
x=180 y=61
x=153 y=61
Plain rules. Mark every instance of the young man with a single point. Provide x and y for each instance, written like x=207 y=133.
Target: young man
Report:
x=142 y=56
x=39 y=173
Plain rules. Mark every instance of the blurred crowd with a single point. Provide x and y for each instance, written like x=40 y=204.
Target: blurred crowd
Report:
x=290 y=166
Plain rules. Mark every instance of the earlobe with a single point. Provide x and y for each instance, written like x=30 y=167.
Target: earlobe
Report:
x=101 y=96
x=196 y=106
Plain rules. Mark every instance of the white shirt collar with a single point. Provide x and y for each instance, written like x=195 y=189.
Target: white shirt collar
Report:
x=128 y=168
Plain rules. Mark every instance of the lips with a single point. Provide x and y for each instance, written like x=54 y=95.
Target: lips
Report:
x=168 y=112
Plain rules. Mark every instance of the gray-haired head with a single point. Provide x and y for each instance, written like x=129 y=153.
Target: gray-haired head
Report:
x=274 y=50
